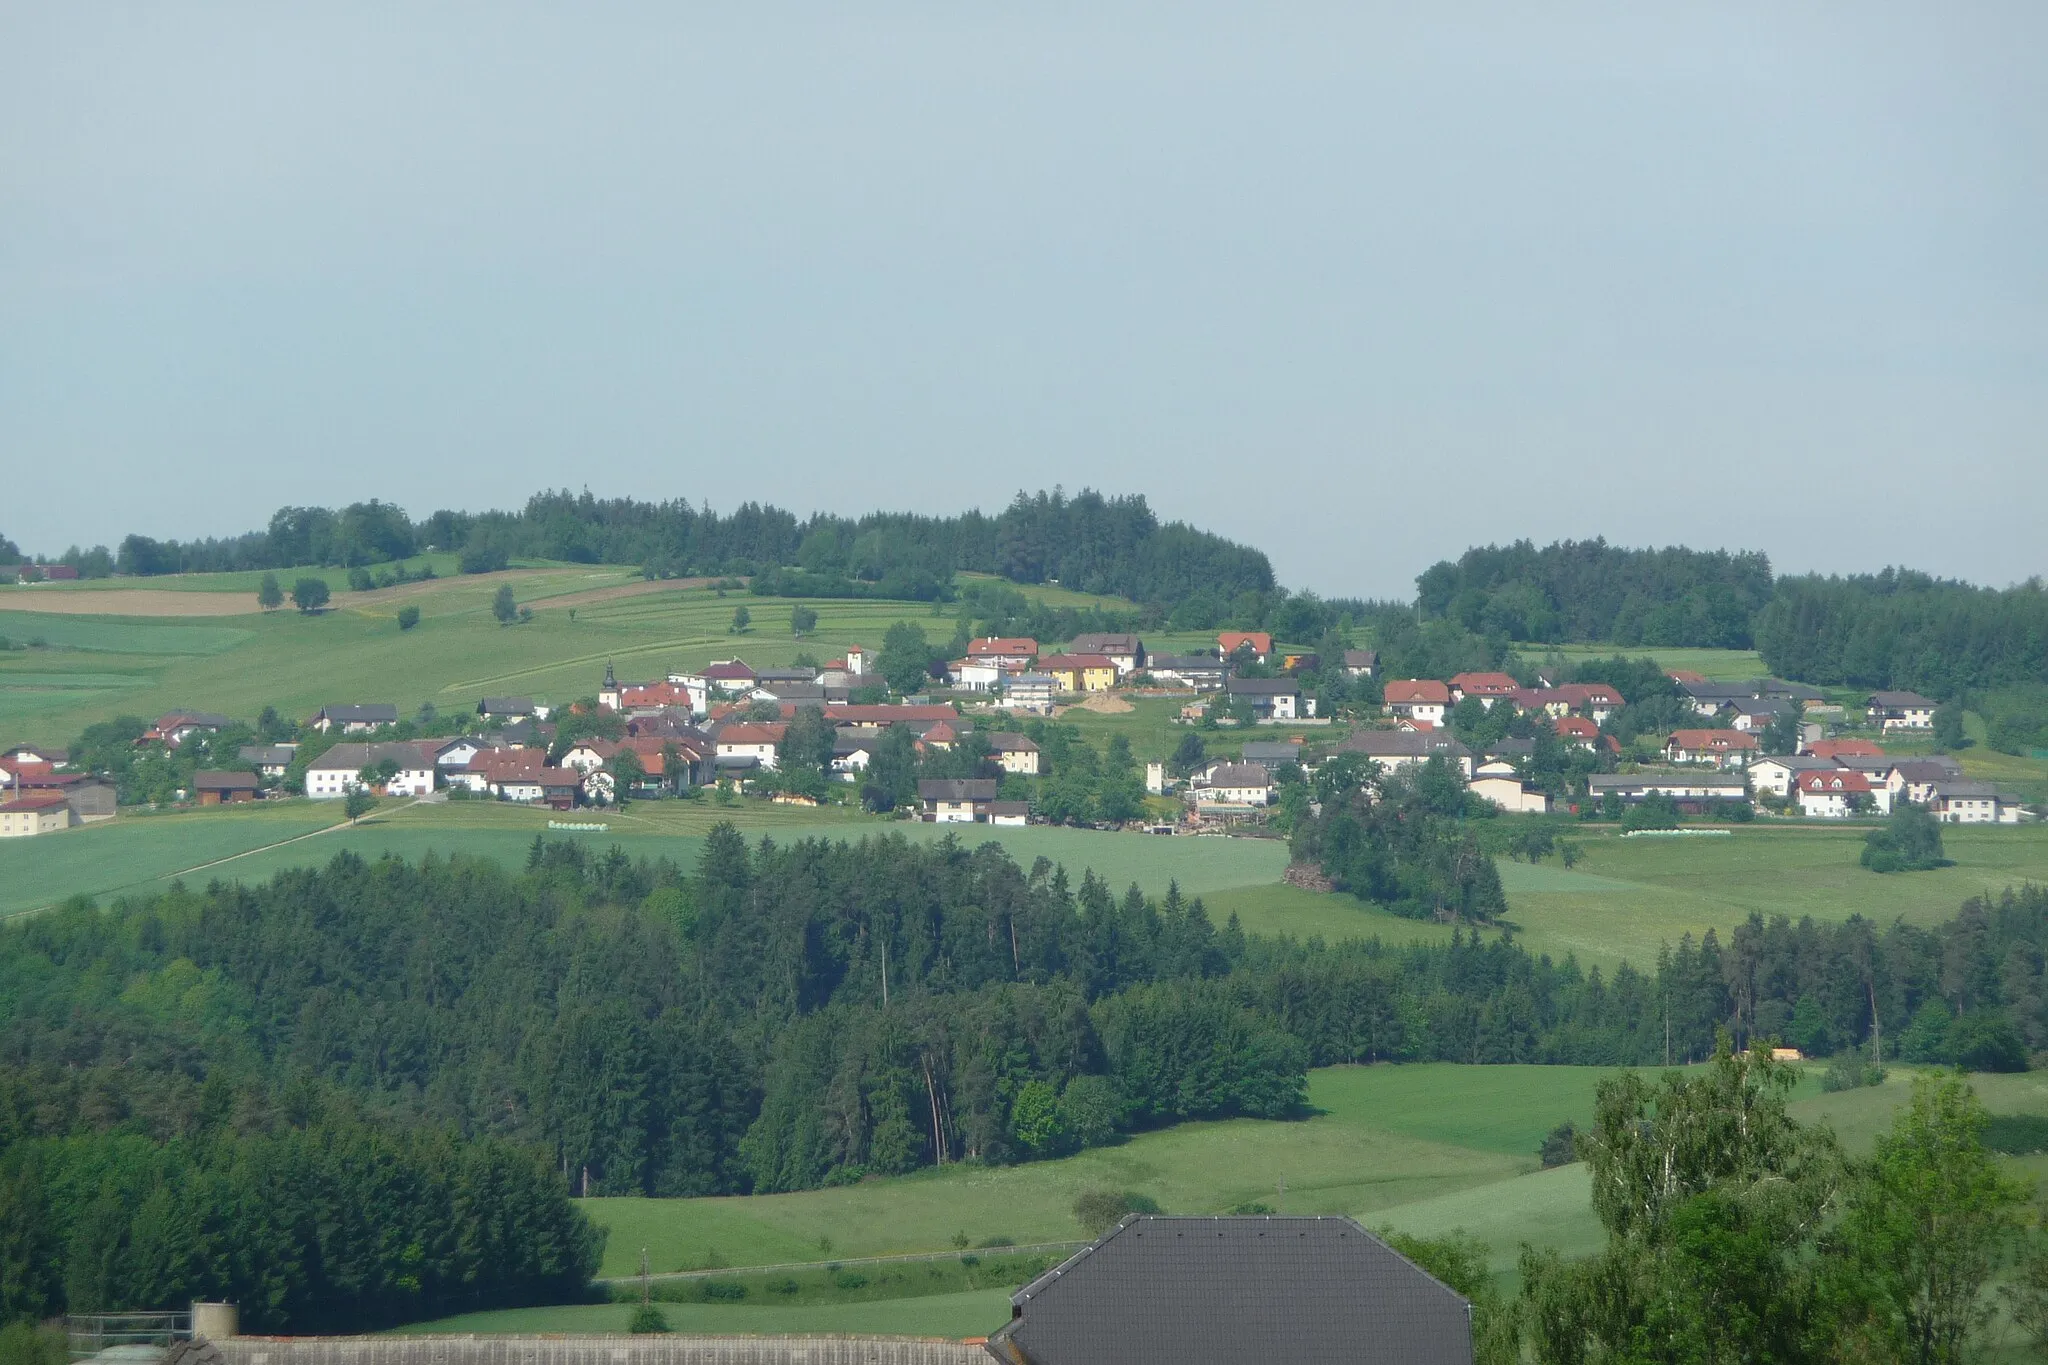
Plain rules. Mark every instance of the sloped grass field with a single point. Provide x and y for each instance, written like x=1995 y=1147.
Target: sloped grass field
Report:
x=1426 y=1149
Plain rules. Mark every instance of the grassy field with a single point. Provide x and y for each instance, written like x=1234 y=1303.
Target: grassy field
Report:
x=1627 y=897
x=1715 y=665
x=138 y=852
x=89 y=668
x=1424 y=1149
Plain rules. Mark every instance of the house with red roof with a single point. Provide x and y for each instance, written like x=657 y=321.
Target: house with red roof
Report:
x=1004 y=651
x=1832 y=793
x=1423 y=699
x=1842 y=748
x=1577 y=730
x=1488 y=687
x=730 y=676
x=32 y=813
x=1723 y=748
x=1259 y=642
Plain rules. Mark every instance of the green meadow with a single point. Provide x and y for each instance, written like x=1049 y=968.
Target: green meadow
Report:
x=1426 y=1149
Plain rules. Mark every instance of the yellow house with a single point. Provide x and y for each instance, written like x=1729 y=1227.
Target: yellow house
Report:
x=1081 y=672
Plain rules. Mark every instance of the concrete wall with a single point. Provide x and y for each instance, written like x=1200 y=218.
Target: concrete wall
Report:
x=597 y=1350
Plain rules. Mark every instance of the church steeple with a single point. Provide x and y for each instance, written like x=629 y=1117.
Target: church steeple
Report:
x=610 y=683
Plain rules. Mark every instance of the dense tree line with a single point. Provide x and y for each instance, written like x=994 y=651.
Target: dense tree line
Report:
x=309 y=1222
x=1592 y=591
x=1088 y=542
x=1905 y=630
x=790 y=1015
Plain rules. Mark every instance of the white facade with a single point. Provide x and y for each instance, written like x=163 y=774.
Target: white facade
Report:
x=332 y=783
x=38 y=819
x=1430 y=713
x=1510 y=795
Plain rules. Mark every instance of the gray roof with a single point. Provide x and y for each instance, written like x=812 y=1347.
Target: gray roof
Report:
x=1778 y=687
x=1931 y=769
x=267 y=755
x=1361 y=658
x=1271 y=751
x=957 y=789
x=1717 y=691
x=1264 y=687
x=1034 y=680
x=785 y=675
x=1009 y=742
x=505 y=706
x=350 y=757
x=214 y=780
x=1105 y=644
x=1185 y=663
x=368 y=713
x=1900 y=700
x=1797 y=763
x=1968 y=789
x=1402 y=744
x=1240 y=775
x=1170 y=1291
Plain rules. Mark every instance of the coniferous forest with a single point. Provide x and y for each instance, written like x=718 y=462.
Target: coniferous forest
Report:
x=360 y=1092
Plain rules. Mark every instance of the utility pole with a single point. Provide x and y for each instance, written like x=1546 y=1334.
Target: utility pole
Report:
x=646 y=1281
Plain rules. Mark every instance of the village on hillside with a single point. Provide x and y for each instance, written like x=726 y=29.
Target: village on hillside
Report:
x=981 y=741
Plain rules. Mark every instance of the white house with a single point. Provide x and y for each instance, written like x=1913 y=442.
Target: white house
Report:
x=1272 y=698
x=1031 y=692
x=1775 y=773
x=1914 y=779
x=357 y=719
x=747 y=739
x=1423 y=699
x=1233 y=784
x=1964 y=802
x=1723 y=748
x=1833 y=794
x=977 y=675
x=957 y=800
x=1901 y=711
x=1016 y=753
x=1396 y=749
x=339 y=771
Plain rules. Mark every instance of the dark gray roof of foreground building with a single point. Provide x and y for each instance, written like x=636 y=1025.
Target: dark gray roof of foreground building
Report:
x=1180 y=1291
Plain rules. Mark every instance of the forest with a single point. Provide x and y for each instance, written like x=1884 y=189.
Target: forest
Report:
x=790 y=1015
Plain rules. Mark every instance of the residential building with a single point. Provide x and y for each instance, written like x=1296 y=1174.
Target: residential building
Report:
x=1960 y=801
x=1841 y=748
x=215 y=787
x=1080 y=672
x=1272 y=755
x=1775 y=773
x=639 y=699
x=34 y=756
x=1004 y=651
x=1272 y=698
x=1203 y=672
x=1832 y=794
x=1577 y=730
x=1423 y=699
x=338 y=771
x=957 y=800
x=1160 y=1290
x=1488 y=687
x=1233 y=784
x=1017 y=753
x=1754 y=715
x=729 y=677
x=269 y=760
x=976 y=675
x=1596 y=700
x=750 y=739
x=1361 y=663
x=1009 y=813
x=175 y=727
x=882 y=716
x=1030 y=692
x=511 y=708
x=491 y=769
x=34 y=813
x=1723 y=748
x=1394 y=750
x=1901 y=711
x=358 y=719
x=1509 y=794
x=1708 y=698
x=1914 y=779
x=1257 y=642
x=852 y=751
x=1693 y=790
x=1127 y=652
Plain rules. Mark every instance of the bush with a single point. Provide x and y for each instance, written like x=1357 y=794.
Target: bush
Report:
x=1851 y=1071
x=359 y=580
x=483 y=558
x=1909 y=842
x=1250 y=1209
x=722 y=1291
x=647 y=1320
x=408 y=617
x=988 y=1243
x=849 y=1279
x=1098 y=1211
x=1655 y=811
x=1560 y=1146
x=2016 y=1134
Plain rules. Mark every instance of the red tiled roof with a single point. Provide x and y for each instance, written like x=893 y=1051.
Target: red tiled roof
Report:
x=1259 y=640
x=655 y=694
x=1827 y=781
x=1586 y=694
x=735 y=671
x=1682 y=675
x=1002 y=644
x=850 y=713
x=34 y=801
x=1485 y=684
x=1576 y=727
x=1844 y=748
x=753 y=732
x=1407 y=691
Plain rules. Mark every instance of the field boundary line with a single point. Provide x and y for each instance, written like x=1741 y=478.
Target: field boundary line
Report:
x=897 y=1258
x=217 y=862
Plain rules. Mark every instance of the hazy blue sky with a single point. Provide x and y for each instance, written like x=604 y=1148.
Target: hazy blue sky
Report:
x=1357 y=284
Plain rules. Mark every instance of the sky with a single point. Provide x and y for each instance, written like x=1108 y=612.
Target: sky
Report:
x=1360 y=284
